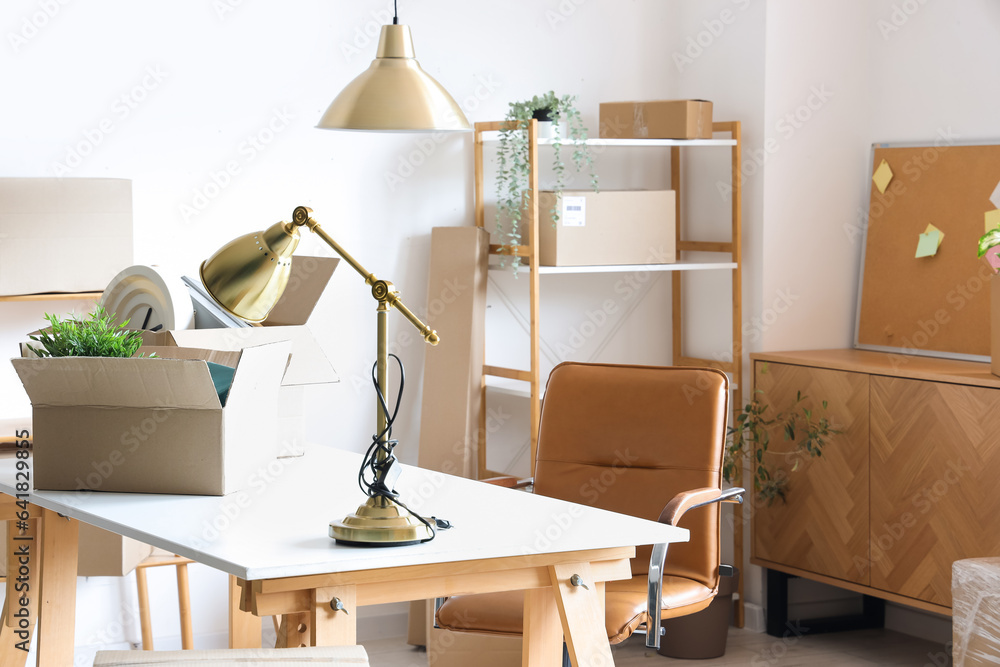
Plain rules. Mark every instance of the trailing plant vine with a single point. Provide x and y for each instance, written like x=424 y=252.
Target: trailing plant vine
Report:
x=514 y=171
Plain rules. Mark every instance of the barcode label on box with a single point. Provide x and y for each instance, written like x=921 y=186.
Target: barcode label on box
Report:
x=574 y=211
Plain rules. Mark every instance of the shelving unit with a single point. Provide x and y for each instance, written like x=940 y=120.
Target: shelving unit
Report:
x=53 y=296
x=505 y=379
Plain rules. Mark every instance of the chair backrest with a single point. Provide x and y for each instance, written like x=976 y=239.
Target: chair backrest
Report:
x=629 y=438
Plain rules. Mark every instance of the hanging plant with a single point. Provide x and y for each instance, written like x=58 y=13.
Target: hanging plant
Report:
x=514 y=171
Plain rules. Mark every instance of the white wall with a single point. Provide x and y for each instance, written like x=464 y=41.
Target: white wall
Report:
x=228 y=71
x=202 y=81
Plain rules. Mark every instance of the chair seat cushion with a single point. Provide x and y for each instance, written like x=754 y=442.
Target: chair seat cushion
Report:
x=503 y=613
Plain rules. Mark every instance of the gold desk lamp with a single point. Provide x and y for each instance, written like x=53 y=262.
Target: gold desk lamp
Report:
x=246 y=277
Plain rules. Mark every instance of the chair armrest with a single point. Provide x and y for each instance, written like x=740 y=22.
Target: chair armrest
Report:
x=509 y=482
x=689 y=500
x=671 y=514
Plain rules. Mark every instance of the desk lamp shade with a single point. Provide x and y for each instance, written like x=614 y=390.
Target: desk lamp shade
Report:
x=394 y=94
x=248 y=275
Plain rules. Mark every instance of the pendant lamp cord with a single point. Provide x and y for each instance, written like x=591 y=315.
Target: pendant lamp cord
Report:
x=395 y=13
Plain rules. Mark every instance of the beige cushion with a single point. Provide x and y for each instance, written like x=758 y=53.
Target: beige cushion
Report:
x=503 y=613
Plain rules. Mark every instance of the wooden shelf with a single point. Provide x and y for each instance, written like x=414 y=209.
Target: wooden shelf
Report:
x=625 y=143
x=52 y=296
x=682 y=265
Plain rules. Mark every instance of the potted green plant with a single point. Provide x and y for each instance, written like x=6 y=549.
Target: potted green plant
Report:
x=94 y=336
x=750 y=437
x=513 y=169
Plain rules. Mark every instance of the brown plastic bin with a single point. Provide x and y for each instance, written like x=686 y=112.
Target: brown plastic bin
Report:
x=703 y=635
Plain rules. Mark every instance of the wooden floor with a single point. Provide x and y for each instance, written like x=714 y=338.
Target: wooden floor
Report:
x=863 y=648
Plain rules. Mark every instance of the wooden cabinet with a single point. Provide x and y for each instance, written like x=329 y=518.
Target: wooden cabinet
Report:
x=823 y=526
x=904 y=491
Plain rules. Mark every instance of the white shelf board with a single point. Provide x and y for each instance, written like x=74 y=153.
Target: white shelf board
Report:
x=645 y=143
x=626 y=268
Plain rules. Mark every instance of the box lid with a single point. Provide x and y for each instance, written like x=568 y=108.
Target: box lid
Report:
x=180 y=380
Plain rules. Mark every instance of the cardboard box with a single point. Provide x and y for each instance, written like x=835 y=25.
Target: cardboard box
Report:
x=287 y=321
x=63 y=234
x=609 y=227
x=453 y=371
x=659 y=119
x=105 y=554
x=153 y=425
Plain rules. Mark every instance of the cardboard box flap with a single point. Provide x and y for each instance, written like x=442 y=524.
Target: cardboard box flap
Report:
x=113 y=382
x=261 y=366
x=226 y=358
x=308 y=364
x=306 y=283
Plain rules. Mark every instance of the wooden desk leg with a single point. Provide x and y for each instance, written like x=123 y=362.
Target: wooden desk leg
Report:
x=10 y=654
x=294 y=630
x=582 y=620
x=57 y=609
x=244 y=626
x=331 y=627
x=543 y=634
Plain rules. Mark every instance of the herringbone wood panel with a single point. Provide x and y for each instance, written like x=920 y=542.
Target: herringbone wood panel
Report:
x=823 y=526
x=935 y=467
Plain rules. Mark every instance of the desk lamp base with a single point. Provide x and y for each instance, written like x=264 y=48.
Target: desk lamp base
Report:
x=380 y=522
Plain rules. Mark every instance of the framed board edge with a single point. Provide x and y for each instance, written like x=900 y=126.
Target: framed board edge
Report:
x=858 y=345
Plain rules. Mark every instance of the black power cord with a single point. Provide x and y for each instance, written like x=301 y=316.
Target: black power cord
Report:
x=382 y=473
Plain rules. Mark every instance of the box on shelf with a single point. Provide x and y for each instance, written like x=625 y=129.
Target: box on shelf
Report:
x=607 y=227
x=153 y=425
x=63 y=234
x=658 y=119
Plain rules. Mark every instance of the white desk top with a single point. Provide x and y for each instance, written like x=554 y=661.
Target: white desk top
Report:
x=277 y=526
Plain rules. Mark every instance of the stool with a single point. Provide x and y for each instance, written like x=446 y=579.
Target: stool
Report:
x=183 y=599
x=300 y=657
x=975 y=604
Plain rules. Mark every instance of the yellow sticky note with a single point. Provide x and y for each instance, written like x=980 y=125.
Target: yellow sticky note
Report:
x=992 y=219
x=932 y=228
x=882 y=176
x=928 y=244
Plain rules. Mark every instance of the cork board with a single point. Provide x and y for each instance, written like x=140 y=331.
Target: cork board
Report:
x=936 y=305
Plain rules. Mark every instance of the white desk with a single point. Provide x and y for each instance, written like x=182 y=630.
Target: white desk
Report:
x=273 y=538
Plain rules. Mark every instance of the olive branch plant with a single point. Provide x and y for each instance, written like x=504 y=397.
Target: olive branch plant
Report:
x=749 y=437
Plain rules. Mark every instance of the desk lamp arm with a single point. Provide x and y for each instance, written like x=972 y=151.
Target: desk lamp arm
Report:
x=382 y=290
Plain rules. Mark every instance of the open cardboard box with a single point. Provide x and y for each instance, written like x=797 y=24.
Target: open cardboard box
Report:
x=287 y=321
x=146 y=425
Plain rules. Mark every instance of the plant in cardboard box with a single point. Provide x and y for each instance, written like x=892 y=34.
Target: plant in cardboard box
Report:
x=94 y=336
x=514 y=169
x=750 y=437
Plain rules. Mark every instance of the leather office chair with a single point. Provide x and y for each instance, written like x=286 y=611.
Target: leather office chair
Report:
x=639 y=440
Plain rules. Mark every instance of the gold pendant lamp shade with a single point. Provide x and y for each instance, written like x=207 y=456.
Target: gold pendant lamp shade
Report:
x=394 y=94
x=248 y=275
